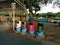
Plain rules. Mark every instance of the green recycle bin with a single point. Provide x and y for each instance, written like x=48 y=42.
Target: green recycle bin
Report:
x=40 y=27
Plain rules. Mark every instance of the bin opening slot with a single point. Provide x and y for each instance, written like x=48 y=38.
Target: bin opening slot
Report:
x=30 y=23
x=22 y=22
x=39 y=24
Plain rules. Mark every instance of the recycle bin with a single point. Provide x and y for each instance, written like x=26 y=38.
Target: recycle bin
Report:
x=18 y=27
x=40 y=27
x=40 y=34
x=23 y=28
x=31 y=28
x=40 y=30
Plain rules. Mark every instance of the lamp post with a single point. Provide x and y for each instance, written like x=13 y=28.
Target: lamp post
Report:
x=13 y=10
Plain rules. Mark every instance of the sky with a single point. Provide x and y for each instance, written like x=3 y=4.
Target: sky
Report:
x=49 y=8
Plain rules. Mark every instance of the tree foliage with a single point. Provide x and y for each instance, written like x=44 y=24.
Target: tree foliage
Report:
x=33 y=4
x=49 y=14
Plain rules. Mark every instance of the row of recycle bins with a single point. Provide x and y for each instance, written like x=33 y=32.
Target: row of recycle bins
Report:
x=31 y=28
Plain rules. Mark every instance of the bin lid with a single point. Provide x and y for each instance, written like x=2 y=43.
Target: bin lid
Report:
x=40 y=24
x=30 y=23
x=42 y=20
x=22 y=22
x=30 y=19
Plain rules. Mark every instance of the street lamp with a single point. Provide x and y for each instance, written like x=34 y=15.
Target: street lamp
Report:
x=13 y=9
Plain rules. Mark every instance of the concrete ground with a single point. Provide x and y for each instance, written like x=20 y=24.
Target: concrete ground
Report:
x=52 y=32
x=7 y=38
x=12 y=39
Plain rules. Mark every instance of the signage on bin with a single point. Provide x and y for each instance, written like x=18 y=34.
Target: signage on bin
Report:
x=40 y=28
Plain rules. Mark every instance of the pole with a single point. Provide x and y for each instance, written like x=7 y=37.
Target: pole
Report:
x=13 y=9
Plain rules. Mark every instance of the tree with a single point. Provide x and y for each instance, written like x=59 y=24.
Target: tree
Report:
x=33 y=5
x=58 y=14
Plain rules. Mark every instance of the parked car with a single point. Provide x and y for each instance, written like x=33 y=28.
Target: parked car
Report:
x=56 y=20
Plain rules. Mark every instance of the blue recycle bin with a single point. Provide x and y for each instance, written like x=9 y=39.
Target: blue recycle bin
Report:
x=18 y=29
x=23 y=31
x=40 y=34
x=32 y=32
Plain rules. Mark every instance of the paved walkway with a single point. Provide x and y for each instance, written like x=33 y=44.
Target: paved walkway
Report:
x=11 y=39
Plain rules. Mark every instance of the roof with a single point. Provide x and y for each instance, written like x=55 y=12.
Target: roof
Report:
x=6 y=5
